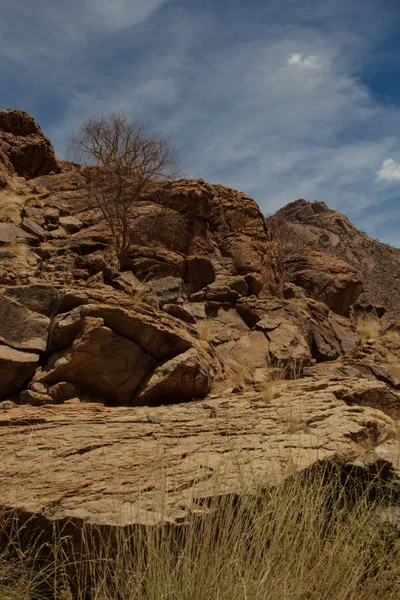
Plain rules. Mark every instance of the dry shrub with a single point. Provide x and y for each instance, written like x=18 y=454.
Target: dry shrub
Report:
x=394 y=369
x=290 y=239
x=121 y=160
x=18 y=247
x=393 y=337
x=161 y=226
x=208 y=329
x=286 y=369
x=307 y=539
x=368 y=329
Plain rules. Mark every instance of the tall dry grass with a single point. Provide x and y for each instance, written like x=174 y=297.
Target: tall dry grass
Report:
x=306 y=540
x=368 y=328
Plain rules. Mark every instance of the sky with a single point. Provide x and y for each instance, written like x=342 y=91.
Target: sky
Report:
x=280 y=99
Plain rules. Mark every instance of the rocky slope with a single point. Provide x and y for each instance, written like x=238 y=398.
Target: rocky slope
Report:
x=339 y=246
x=92 y=359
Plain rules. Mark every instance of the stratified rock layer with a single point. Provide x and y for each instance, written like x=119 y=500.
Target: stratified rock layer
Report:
x=141 y=465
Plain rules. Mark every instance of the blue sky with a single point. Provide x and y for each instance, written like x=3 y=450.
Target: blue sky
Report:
x=281 y=99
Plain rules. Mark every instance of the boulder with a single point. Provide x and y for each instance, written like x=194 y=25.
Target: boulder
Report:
x=71 y=224
x=327 y=335
x=35 y=398
x=63 y=391
x=10 y=232
x=160 y=335
x=101 y=362
x=41 y=298
x=167 y=289
x=325 y=278
x=200 y=273
x=251 y=351
x=287 y=345
x=16 y=368
x=32 y=227
x=185 y=377
x=27 y=148
x=22 y=328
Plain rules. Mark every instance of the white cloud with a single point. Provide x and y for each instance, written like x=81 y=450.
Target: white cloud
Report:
x=236 y=114
x=303 y=62
x=389 y=171
x=121 y=13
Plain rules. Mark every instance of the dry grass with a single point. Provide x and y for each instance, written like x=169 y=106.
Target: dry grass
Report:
x=19 y=247
x=207 y=329
x=368 y=329
x=393 y=337
x=394 y=369
x=306 y=540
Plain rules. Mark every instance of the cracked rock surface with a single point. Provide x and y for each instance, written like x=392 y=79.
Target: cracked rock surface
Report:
x=131 y=465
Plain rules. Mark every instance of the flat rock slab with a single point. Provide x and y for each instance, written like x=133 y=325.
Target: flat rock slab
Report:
x=122 y=466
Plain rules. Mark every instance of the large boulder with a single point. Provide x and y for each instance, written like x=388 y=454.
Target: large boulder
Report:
x=24 y=144
x=325 y=278
x=16 y=368
x=160 y=335
x=101 y=362
x=184 y=377
x=306 y=323
x=22 y=328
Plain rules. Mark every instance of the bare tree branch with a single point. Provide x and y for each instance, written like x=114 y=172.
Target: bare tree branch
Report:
x=120 y=161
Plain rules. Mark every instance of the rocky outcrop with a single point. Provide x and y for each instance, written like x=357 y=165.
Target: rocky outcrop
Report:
x=101 y=362
x=325 y=278
x=185 y=377
x=228 y=375
x=25 y=146
x=378 y=264
x=16 y=368
x=305 y=322
x=138 y=465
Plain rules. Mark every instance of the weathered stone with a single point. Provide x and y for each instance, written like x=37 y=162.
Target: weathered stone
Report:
x=114 y=472
x=101 y=362
x=325 y=278
x=128 y=283
x=180 y=312
x=288 y=345
x=32 y=227
x=63 y=391
x=167 y=289
x=34 y=398
x=22 y=328
x=251 y=350
x=186 y=376
x=157 y=333
x=40 y=298
x=348 y=338
x=255 y=283
x=15 y=369
x=200 y=273
x=10 y=232
x=29 y=151
x=71 y=224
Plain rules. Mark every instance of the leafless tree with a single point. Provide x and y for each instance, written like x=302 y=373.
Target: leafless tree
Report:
x=121 y=159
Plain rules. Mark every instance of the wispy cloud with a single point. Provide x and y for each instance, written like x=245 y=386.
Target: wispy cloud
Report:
x=303 y=62
x=270 y=102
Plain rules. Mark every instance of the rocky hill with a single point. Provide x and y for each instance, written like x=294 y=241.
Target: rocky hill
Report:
x=198 y=350
x=374 y=264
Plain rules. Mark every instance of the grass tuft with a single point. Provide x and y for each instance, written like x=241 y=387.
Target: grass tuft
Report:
x=305 y=540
